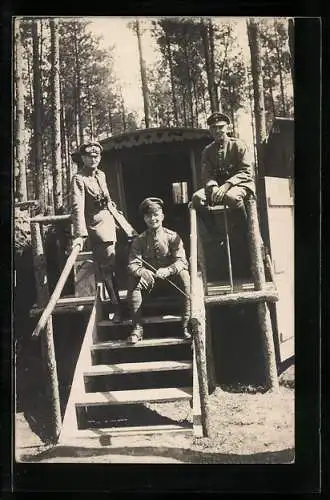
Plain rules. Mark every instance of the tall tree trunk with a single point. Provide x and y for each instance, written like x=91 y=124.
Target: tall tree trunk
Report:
x=173 y=92
x=123 y=114
x=37 y=140
x=258 y=90
x=145 y=90
x=30 y=72
x=184 y=109
x=232 y=111
x=189 y=89
x=78 y=89
x=208 y=68
x=196 y=102
x=279 y=63
x=110 y=121
x=222 y=69
x=270 y=84
x=64 y=153
x=203 y=98
x=20 y=167
x=91 y=120
x=56 y=119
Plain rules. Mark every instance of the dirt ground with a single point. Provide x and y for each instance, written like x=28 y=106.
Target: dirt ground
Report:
x=247 y=427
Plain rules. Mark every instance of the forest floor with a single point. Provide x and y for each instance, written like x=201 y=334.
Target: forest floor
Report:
x=247 y=427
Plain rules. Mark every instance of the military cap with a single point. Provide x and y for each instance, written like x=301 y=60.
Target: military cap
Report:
x=217 y=118
x=150 y=204
x=92 y=147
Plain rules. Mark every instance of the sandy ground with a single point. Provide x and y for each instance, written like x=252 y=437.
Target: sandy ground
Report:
x=247 y=427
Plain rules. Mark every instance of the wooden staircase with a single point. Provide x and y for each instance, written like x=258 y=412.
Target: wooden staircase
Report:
x=115 y=383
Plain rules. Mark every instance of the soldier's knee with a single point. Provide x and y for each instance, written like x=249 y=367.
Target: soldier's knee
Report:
x=234 y=198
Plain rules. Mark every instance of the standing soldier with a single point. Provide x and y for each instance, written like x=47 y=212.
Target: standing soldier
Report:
x=91 y=217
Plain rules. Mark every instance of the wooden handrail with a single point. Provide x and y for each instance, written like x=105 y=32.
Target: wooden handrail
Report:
x=57 y=291
x=47 y=219
x=196 y=289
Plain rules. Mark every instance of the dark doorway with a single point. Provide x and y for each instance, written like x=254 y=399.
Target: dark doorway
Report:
x=152 y=174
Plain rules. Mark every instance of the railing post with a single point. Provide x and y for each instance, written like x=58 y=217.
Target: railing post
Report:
x=39 y=263
x=258 y=274
x=198 y=326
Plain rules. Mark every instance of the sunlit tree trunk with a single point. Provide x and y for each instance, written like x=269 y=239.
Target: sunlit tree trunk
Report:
x=20 y=166
x=56 y=118
x=37 y=121
x=145 y=90
x=208 y=66
x=257 y=78
x=173 y=90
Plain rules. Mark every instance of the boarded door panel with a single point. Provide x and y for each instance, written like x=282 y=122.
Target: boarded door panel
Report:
x=280 y=207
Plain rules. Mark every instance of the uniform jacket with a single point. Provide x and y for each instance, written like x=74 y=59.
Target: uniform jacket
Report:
x=234 y=166
x=88 y=219
x=163 y=249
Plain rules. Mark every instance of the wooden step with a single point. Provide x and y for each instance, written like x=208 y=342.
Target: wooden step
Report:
x=135 y=396
x=108 y=432
x=147 y=366
x=146 y=320
x=122 y=344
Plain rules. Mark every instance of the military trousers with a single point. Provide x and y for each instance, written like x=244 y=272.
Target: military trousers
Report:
x=105 y=259
x=136 y=295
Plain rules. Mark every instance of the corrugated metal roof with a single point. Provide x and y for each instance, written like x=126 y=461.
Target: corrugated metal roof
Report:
x=153 y=136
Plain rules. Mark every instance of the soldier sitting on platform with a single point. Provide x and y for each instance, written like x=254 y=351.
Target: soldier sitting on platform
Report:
x=227 y=173
x=91 y=217
x=155 y=255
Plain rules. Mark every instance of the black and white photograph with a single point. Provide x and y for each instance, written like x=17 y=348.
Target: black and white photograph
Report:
x=154 y=200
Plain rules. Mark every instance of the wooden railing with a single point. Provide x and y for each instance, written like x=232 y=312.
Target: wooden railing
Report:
x=47 y=303
x=198 y=327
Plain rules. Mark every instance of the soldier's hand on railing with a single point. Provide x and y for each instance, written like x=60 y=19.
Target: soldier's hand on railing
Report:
x=219 y=193
x=78 y=241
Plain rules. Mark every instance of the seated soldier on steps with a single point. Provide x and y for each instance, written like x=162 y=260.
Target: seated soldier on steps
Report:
x=155 y=255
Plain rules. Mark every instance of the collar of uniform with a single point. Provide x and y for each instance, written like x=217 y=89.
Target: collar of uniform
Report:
x=156 y=232
x=223 y=144
x=91 y=172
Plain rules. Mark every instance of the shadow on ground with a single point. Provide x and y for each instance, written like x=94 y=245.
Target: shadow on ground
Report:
x=182 y=455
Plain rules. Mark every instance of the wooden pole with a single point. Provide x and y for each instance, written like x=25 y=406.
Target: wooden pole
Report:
x=258 y=274
x=196 y=289
x=47 y=219
x=242 y=297
x=57 y=291
x=39 y=264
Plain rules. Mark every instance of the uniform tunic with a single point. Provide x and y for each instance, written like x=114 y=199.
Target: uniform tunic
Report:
x=163 y=248
x=228 y=163
x=90 y=219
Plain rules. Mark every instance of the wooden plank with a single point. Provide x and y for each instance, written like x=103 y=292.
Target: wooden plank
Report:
x=63 y=309
x=122 y=344
x=98 y=433
x=134 y=396
x=215 y=287
x=84 y=360
x=280 y=211
x=242 y=297
x=146 y=320
x=147 y=366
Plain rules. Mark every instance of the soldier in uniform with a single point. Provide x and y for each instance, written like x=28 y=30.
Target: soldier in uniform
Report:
x=156 y=254
x=227 y=173
x=91 y=218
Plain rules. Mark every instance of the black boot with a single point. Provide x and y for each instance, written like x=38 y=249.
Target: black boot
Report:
x=136 y=334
